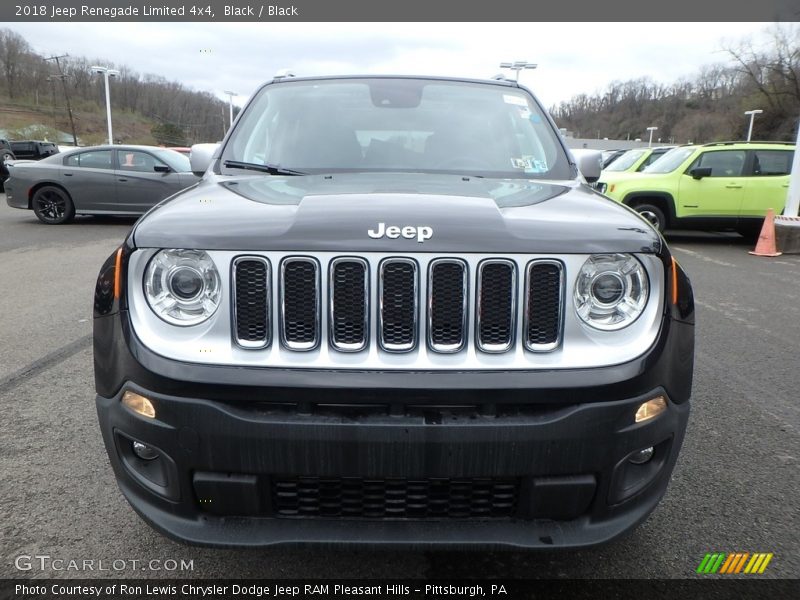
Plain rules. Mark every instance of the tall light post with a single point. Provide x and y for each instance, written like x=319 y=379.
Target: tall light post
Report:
x=517 y=66
x=752 y=114
x=651 y=130
x=107 y=72
x=230 y=104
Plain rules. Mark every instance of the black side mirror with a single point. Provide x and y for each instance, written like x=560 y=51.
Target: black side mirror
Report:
x=161 y=169
x=700 y=172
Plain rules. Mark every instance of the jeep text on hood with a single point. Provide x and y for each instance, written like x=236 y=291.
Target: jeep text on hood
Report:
x=393 y=312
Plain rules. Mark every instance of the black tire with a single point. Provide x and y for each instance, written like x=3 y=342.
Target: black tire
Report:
x=653 y=215
x=52 y=205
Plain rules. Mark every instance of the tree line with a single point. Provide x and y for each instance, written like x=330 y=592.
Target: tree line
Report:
x=180 y=115
x=708 y=107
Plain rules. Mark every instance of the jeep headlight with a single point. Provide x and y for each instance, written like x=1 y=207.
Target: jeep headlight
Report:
x=611 y=291
x=182 y=286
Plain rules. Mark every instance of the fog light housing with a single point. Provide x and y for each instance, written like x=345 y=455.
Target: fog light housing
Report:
x=139 y=404
x=145 y=452
x=642 y=456
x=650 y=409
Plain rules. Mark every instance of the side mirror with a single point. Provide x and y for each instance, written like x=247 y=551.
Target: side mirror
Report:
x=590 y=163
x=201 y=156
x=700 y=172
x=161 y=169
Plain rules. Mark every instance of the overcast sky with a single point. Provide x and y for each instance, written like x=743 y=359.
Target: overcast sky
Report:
x=573 y=58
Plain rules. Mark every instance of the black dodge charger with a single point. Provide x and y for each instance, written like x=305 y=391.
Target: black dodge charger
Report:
x=393 y=312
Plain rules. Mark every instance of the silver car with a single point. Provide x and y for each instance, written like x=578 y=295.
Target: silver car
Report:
x=101 y=180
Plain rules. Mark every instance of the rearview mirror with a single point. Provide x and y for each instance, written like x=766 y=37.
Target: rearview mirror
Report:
x=700 y=172
x=590 y=163
x=201 y=156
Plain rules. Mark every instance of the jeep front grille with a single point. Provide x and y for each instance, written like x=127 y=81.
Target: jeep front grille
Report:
x=448 y=286
x=497 y=287
x=251 y=301
x=544 y=284
x=393 y=302
x=349 y=304
x=300 y=303
x=398 y=304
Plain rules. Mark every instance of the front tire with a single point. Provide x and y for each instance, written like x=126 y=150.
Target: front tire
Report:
x=53 y=206
x=653 y=215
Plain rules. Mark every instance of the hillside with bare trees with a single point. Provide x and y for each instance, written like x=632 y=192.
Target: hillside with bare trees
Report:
x=147 y=108
x=706 y=108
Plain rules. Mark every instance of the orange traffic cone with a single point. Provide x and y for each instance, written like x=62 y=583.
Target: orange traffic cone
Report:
x=766 y=239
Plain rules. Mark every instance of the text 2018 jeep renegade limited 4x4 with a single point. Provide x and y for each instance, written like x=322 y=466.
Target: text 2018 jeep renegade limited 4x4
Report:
x=392 y=311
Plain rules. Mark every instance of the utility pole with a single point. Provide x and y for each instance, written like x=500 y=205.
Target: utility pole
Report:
x=52 y=81
x=63 y=79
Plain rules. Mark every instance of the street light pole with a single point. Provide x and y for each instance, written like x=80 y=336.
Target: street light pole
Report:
x=517 y=66
x=651 y=130
x=230 y=104
x=752 y=114
x=107 y=72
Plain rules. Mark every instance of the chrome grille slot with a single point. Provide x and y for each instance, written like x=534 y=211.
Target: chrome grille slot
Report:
x=447 y=304
x=496 y=305
x=398 y=304
x=252 y=300
x=300 y=303
x=349 y=304
x=544 y=283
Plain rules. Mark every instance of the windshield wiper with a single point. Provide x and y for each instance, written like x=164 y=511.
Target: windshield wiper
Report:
x=271 y=169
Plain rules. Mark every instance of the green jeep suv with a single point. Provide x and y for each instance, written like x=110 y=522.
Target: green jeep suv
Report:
x=724 y=185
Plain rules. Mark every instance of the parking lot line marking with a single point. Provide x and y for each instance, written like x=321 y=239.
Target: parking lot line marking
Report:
x=42 y=364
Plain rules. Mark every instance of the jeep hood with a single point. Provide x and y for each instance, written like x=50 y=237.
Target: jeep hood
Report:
x=334 y=212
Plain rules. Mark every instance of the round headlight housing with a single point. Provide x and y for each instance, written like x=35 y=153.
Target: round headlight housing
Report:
x=611 y=291
x=182 y=286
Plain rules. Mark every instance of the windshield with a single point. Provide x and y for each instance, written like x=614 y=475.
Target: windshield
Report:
x=670 y=160
x=397 y=124
x=626 y=161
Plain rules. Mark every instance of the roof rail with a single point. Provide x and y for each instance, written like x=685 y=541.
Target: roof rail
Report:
x=746 y=142
x=283 y=73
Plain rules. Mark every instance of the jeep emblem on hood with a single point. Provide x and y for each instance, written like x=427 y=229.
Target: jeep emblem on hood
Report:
x=408 y=231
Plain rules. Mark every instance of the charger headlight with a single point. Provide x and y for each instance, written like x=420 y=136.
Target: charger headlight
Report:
x=611 y=291
x=182 y=286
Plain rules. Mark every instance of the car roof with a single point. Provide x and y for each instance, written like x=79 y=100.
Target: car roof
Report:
x=503 y=82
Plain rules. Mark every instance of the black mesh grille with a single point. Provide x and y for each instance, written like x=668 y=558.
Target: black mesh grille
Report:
x=447 y=306
x=358 y=498
x=300 y=302
x=349 y=303
x=398 y=329
x=252 y=301
x=496 y=304
x=544 y=304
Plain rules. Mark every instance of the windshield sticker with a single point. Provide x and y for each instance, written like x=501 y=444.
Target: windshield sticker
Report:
x=521 y=163
x=535 y=118
x=516 y=100
x=537 y=166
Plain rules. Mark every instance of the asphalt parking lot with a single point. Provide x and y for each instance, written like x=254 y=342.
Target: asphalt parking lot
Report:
x=734 y=489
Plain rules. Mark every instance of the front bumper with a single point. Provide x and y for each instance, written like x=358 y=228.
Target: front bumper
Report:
x=230 y=438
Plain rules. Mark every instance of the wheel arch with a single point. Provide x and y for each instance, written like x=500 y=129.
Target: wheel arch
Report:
x=663 y=200
x=40 y=184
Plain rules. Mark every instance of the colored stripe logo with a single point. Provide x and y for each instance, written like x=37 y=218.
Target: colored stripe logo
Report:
x=734 y=563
